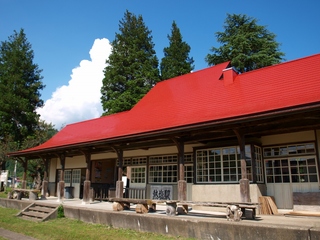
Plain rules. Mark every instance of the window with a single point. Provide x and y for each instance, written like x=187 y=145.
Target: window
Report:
x=222 y=164
x=67 y=176
x=164 y=169
x=76 y=176
x=277 y=171
x=286 y=164
x=163 y=159
x=291 y=170
x=292 y=149
x=188 y=173
x=303 y=170
x=259 y=162
x=133 y=161
x=163 y=174
x=139 y=161
x=138 y=175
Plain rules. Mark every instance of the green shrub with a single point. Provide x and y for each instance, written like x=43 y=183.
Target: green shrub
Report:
x=60 y=212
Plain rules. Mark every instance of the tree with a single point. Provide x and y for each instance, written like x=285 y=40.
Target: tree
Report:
x=247 y=45
x=132 y=67
x=20 y=85
x=43 y=132
x=176 y=60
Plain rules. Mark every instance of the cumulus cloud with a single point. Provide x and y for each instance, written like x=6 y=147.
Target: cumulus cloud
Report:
x=80 y=99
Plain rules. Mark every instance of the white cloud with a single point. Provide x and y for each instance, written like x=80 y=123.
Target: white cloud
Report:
x=80 y=99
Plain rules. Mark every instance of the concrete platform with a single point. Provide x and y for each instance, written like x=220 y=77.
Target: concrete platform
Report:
x=197 y=224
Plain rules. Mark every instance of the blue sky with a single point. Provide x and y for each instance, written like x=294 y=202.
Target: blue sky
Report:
x=63 y=36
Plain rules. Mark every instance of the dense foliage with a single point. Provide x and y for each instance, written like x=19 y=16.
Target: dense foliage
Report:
x=246 y=44
x=176 y=60
x=20 y=86
x=132 y=67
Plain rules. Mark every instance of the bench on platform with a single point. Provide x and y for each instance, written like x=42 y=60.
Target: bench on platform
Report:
x=234 y=210
x=33 y=193
x=142 y=205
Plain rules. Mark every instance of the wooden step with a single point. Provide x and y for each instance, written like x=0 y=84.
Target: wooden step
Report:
x=38 y=212
x=35 y=214
x=31 y=218
x=41 y=209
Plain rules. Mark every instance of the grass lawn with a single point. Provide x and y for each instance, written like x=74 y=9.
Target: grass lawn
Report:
x=64 y=228
x=4 y=194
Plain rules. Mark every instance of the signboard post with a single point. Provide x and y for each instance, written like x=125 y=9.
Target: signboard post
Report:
x=4 y=177
x=161 y=192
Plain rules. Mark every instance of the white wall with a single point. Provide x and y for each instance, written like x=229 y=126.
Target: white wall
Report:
x=225 y=192
x=52 y=170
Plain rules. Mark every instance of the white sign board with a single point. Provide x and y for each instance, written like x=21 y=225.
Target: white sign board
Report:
x=161 y=192
x=4 y=175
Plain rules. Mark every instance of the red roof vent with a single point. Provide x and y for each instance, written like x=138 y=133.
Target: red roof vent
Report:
x=229 y=74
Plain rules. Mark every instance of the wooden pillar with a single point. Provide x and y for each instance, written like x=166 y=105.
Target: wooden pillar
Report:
x=253 y=164
x=24 y=176
x=87 y=197
x=44 y=189
x=119 y=184
x=61 y=183
x=244 y=181
x=182 y=184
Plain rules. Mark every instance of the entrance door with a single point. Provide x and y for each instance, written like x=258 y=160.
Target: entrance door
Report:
x=72 y=179
x=137 y=182
x=287 y=175
x=76 y=179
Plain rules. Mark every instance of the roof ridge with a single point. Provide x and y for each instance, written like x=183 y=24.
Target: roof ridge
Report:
x=282 y=63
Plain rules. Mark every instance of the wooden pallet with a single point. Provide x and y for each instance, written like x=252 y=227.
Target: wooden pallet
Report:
x=268 y=205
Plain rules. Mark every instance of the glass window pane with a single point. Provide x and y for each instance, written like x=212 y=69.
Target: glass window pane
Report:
x=285 y=178
x=277 y=179
x=312 y=170
x=295 y=178
x=313 y=178
x=270 y=179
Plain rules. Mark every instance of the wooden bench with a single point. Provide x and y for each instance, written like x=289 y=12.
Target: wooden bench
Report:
x=33 y=193
x=143 y=205
x=173 y=209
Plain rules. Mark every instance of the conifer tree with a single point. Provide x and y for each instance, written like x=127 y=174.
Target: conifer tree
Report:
x=246 y=44
x=132 y=67
x=20 y=85
x=176 y=60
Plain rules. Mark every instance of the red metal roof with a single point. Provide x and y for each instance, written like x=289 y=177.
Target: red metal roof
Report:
x=201 y=97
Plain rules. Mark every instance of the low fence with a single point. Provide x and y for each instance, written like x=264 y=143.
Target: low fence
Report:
x=135 y=193
x=104 y=191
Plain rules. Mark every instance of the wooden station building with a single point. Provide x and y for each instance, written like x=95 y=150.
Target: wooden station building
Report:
x=211 y=135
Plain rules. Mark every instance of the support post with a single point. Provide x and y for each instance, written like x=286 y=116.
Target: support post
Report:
x=87 y=194
x=182 y=184
x=244 y=181
x=61 y=183
x=119 y=184
x=24 y=176
x=44 y=189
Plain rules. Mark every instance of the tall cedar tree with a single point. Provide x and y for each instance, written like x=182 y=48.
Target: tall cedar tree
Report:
x=176 y=60
x=132 y=67
x=20 y=83
x=247 y=45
